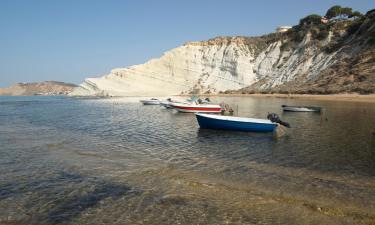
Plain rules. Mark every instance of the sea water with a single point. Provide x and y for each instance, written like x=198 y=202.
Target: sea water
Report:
x=114 y=161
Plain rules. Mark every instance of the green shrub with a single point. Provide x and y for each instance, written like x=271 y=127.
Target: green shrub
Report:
x=298 y=36
x=354 y=26
x=346 y=11
x=285 y=46
x=337 y=10
x=333 y=11
x=332 y=47
x=323 y=26
x=310 y=20
x=371 y=41
x=372 y=11
x=323 y=34
x=356 y=14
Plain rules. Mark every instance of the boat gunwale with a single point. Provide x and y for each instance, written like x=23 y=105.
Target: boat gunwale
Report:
x=193 y=105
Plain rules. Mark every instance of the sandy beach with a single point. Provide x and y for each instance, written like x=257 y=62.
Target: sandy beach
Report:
x=336 y=97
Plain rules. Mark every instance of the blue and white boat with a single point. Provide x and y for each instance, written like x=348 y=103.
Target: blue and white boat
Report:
x=235 y=123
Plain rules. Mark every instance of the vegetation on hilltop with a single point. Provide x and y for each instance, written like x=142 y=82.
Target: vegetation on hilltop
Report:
x=347 y=34
x=338 y=21
x=338 y=11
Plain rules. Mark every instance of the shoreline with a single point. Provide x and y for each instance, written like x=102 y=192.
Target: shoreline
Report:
x=335 y=97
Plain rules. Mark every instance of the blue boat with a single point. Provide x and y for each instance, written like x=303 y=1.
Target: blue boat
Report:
x=234 y=123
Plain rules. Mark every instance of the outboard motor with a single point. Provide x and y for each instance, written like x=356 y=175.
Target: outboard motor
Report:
x=276 y=119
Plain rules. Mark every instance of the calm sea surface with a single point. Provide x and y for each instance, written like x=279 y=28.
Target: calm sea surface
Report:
x=115 y=161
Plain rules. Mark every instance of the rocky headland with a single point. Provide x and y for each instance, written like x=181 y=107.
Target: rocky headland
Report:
x=41 y=88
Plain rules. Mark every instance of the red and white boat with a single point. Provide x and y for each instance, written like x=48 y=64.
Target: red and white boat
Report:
x=196 y=108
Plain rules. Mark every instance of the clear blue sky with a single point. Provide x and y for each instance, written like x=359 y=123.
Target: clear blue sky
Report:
x=69 y=40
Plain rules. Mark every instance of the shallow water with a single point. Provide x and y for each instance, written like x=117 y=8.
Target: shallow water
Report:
x=115 y=161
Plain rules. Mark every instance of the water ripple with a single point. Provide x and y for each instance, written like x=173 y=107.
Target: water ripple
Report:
x=91 y=161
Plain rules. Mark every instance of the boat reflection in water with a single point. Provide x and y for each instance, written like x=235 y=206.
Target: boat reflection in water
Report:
x=301 y=108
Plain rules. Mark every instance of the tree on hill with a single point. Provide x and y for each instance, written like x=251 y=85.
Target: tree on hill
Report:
x=320 y=29
x=348 y=12
x=356 y=14
x=333 y=12
x=338 y=11
x=310 y=20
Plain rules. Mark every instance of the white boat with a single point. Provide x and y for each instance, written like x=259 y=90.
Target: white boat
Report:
x=152 y=101
x=301 y=108
x=166 y=104
x=168 y=101
x=196 y=108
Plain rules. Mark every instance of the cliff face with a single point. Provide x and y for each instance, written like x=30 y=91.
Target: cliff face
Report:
x=270 y=63
x=42 y=88
x=216 y=65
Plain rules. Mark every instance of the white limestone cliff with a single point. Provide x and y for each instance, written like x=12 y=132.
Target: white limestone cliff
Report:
x=216 y=65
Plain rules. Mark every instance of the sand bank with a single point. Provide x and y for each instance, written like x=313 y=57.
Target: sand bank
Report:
x=336 y=97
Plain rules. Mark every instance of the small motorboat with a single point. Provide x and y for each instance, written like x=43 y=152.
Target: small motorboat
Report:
x=235 y=123
x=168 y=101
x=196 y=108
x=301 y=108
x=165 y=104
x=153 y=101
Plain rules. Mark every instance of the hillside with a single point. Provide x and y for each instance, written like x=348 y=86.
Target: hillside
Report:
x=313 y=57
x=42 y=88
x=349 y=46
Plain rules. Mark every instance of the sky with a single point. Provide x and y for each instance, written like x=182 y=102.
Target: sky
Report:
x=71 y=40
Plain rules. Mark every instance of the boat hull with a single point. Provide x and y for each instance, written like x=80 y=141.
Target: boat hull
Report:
x=150 y=102
x=191 y=108
x=166 y=105
x=225 y=124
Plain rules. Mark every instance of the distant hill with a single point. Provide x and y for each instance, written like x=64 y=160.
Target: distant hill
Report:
x=41 y=88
